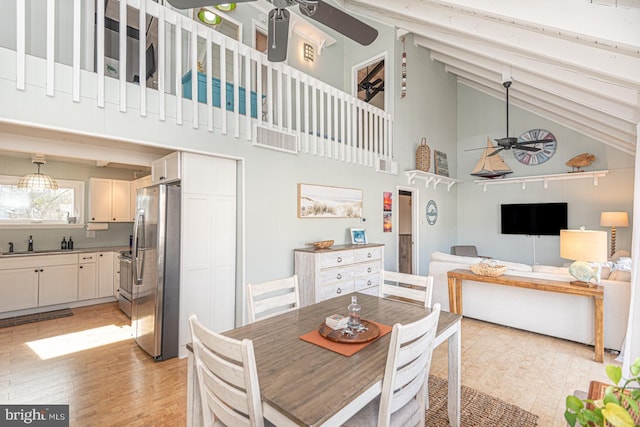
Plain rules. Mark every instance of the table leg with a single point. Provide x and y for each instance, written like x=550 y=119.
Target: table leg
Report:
x=599 y=316
x=452 y=294
x=459 y=295
x=454 y=367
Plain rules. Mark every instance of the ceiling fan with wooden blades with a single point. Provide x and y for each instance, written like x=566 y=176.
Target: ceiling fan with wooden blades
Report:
x=509 y=142
x=278 y=22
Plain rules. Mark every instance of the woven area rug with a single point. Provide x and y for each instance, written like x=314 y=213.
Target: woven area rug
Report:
x=30 y=318
x=477 y=409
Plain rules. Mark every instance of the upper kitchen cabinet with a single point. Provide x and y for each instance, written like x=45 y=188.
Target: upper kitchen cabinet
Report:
x=109 y=200
x=145 y=181
x=166 y=169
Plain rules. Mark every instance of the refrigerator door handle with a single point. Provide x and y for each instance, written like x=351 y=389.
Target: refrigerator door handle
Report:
x=138 y=252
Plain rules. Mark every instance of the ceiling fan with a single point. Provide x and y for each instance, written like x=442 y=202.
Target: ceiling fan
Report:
x=278 y=25
x=372 y=87
x=509 y=142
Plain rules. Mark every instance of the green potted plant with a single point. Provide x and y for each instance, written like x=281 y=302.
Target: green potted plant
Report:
x=618 y=407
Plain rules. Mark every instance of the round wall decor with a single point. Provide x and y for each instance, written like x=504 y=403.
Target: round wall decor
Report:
x=432 y=212
x=536 y=154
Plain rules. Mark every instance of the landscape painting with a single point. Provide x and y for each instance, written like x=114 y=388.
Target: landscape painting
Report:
x=319 y=201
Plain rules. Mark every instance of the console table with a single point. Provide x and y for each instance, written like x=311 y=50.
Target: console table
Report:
x=455 y=278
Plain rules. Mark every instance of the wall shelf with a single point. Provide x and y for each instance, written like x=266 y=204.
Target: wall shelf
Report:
x=595 y=175
x=430 y=178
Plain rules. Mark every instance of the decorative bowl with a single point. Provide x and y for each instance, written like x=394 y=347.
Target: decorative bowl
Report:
x=323 y=244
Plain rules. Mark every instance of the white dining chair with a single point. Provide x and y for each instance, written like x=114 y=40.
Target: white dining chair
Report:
x=418 y=289
x=404 y=386
x=227 y=378
x=267 y=299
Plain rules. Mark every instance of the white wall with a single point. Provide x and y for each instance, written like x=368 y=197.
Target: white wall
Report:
x=481 y=116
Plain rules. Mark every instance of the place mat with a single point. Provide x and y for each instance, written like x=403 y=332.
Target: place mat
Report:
x=314 y=337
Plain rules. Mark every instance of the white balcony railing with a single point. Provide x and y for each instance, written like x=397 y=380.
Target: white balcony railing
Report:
x=325 y=121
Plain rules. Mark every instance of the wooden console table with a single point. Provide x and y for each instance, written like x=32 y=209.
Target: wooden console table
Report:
x=455 y=278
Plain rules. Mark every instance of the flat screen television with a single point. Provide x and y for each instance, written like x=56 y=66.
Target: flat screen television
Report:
x=534 y=219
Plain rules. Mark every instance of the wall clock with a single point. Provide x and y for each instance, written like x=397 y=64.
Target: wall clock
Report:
x=432 y=212
x=544 y=150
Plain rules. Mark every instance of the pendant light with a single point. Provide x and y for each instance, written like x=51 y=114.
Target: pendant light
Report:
x=38 y=181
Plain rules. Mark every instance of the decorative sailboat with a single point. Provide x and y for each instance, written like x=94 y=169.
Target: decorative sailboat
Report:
x=490 y=166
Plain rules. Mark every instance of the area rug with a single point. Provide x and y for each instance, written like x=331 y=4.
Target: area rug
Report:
x=30 y=318
x=477 y=409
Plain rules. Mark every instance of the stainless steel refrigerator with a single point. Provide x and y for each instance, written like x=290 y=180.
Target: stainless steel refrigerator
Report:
x=156 y=270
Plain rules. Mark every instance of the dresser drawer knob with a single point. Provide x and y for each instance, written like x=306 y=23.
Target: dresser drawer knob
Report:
x=339 y=291
x=368 y=282
x=339 y=276
x=369 y=270
x=339 y=259
x=369 y=255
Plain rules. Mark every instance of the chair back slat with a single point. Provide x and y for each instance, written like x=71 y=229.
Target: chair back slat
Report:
x=268 y=299
x=417 y=289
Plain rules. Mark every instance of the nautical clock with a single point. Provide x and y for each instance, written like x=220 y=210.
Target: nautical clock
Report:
x=538 y=153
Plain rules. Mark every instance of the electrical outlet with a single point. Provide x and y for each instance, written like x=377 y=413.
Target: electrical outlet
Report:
x=91 y=233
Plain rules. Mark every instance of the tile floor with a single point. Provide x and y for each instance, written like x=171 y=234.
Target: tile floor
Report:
x=533 y=371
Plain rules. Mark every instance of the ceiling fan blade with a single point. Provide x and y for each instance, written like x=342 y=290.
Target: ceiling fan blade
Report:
x=340 y=21
x=537 y=141
x=190 y=4
x=277 y=35
x=475 y=149
x=525 y=148
x=499 y=149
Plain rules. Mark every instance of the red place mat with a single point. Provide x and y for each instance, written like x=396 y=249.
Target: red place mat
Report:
x=314 y=337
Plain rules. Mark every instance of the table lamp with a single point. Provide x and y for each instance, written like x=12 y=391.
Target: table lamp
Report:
x=613 y=220
x=584 y=246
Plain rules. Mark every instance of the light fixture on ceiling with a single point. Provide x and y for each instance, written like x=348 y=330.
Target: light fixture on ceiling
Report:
x=226 y=7
x=208 y=17
x=38 y=181
x=307 y=52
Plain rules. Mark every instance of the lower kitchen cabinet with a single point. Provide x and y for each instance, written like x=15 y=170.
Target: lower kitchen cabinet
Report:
x=105 y=274
x=57 y=284
x=87 y=276
x=26 y=297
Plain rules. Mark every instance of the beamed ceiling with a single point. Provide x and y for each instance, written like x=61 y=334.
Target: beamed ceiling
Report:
x=572 y=61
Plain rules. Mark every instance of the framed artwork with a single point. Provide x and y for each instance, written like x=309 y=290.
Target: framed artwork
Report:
x=319 y=201
x=358 y=236
x=386 y=222
x=387 y=207
x=440 y=163
x=387 y=201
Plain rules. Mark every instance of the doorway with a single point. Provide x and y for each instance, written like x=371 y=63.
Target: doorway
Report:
x=407 y=230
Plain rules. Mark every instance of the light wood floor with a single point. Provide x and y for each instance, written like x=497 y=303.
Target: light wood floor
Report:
x=117 y=384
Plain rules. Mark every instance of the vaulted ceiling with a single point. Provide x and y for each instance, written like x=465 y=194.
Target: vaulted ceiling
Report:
x=575 y=62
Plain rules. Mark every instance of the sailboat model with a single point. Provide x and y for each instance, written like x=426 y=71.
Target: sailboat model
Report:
x=490 y=166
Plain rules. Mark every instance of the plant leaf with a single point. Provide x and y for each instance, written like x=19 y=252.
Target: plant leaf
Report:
x=617 y=415
x=610 y=397
x=614 y=373
x=633 y=403
x=635 y=367
x=574 y=403
x=570 y=417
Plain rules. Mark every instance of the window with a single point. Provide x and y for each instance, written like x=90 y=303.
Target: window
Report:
x=19 y=206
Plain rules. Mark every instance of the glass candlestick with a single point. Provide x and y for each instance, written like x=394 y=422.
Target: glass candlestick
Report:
x=354 y=313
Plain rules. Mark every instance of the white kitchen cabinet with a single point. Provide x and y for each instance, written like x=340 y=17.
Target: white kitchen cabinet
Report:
x=145 y=181
x=341 y=269
x=18 y=289
x=109 y=200
x=87 y=276
x=166 y=169
x=116 y=274
x=57 y=284
x=105 y=274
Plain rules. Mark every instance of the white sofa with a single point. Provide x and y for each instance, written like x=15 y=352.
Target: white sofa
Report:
x=564 y=316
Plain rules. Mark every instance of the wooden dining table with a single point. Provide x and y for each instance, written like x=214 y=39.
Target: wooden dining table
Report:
x=303 y=384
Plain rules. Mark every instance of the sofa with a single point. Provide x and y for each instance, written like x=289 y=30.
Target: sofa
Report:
x=559 y=315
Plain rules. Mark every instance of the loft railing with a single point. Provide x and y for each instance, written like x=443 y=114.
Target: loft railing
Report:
x=324 y=120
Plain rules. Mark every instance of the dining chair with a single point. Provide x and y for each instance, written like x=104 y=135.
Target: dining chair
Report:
x=227 y=378
x=404 y=385
x=418 y=289
x=274 y=297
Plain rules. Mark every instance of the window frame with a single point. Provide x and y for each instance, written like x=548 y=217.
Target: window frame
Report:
x=79 y=206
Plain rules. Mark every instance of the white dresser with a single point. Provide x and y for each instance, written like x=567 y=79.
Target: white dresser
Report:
x=341 y=269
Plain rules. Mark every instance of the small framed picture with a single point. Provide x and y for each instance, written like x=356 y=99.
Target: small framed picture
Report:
x=358 y=236
x=441 y=165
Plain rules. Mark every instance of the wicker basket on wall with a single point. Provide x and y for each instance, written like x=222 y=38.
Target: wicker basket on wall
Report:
x=423 y=156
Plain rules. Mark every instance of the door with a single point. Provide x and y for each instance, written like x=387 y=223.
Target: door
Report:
x=406 y=231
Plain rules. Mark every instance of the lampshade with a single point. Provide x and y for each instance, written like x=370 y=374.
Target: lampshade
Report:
x=208 y=17
x=38 y=181
x=583 y=245
x=614 y=219
x=226 y=7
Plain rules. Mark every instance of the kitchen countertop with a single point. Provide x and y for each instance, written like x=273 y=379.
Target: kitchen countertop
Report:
x=64 y=251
